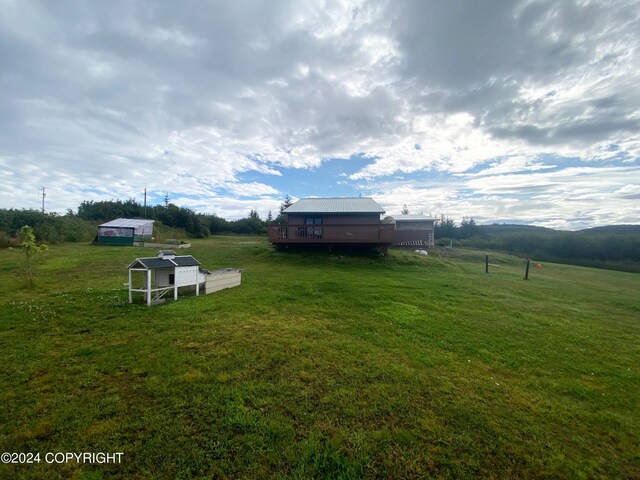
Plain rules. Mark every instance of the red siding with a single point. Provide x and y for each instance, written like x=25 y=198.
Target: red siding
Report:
x=359 y=228
x=333 y=219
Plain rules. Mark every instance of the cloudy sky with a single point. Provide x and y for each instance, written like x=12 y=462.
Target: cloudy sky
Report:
x=507 y=111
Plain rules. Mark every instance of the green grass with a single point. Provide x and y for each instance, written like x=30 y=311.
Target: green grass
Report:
x=322 y=366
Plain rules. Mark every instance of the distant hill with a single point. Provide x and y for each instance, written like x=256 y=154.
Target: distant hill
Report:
x=499 y=229
x=614 y=230
x=614 y=246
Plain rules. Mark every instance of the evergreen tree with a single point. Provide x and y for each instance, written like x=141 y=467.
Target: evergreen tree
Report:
x=282 y=217
x=287 y=202
x=445 y=227
x=468 y=227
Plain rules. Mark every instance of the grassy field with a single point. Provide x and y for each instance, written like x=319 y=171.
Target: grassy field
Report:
x=322 y=366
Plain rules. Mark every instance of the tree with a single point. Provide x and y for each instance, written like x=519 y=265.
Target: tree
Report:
x=182 y=217
x=254 y=214
x=468 y=227
x=445 y=227
x=30 y=249
x=282 y=217
x=285 y=204
x=215 y=223
x=110 y=209
x=405 y=210
x=269 y=217
x=252 y=225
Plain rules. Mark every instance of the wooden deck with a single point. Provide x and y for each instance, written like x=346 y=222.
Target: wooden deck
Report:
x=371 y=233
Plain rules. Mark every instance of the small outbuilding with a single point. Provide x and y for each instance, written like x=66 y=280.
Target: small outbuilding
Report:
x=167 y=272
x=125 y=231
x=413 y=231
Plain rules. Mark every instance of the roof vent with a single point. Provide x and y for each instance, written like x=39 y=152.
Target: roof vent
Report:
x=168 y=254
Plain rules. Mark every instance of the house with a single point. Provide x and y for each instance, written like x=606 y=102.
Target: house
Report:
x=334 y=221
x=124 y=231
x=414 y=230
x=167 y=272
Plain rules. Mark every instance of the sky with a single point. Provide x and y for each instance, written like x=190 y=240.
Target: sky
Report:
x=502 y=110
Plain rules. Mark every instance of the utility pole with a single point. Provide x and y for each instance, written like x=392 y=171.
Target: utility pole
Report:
x=43 y=194
x=145 y=203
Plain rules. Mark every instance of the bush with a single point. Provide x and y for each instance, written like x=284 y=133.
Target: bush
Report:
x=47 y=227
x=7 y=240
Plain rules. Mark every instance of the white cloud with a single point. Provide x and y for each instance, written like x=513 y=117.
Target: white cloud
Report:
x=105 y=99
x=251 y=189
x=513 y=164
x=595 y=196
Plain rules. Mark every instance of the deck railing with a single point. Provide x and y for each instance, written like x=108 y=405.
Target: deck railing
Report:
x=332 y=233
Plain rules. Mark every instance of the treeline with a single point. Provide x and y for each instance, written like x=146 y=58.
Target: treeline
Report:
x=47 y=227
x=83 y=225
x=196 y=225
x=447 y=228
x=169 y=214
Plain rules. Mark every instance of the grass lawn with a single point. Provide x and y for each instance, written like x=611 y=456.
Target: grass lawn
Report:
x=322 y=366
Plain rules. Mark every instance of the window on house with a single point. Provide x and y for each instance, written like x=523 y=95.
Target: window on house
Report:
x=314 y=232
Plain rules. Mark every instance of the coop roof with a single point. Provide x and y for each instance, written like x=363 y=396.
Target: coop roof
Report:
x=335 y=205
x=127 y=223
x=153 y=263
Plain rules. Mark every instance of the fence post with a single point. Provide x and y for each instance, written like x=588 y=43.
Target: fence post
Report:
x=526 y=270
x=486 y=264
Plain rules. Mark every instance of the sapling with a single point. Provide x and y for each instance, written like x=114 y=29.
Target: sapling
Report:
x=30 y=248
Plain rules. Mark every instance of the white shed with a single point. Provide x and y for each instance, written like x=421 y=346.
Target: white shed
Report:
x=125 y=231
x=168 y=272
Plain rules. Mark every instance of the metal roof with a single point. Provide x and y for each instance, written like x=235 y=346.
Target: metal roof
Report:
x=126 y=222
x=412 y=218
x=335 y=205
x=152 y=263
